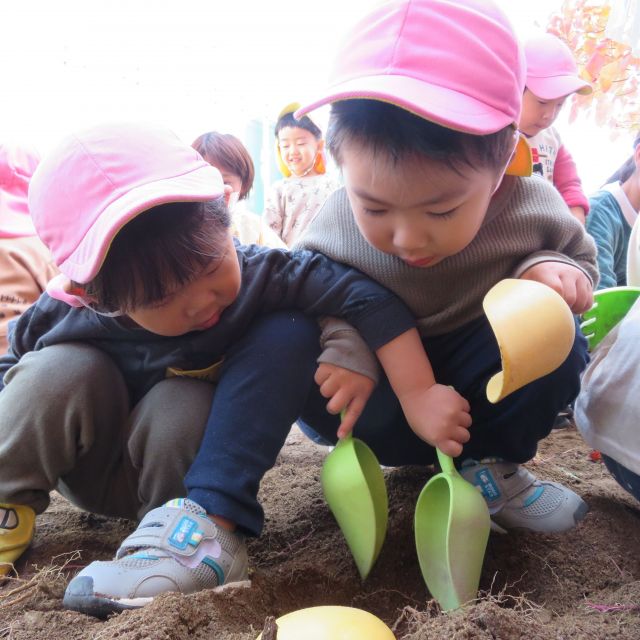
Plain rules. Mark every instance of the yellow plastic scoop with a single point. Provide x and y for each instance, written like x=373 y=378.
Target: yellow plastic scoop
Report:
x=452 y=527
x=331 y=623
x=535 y=331
x=354 y=488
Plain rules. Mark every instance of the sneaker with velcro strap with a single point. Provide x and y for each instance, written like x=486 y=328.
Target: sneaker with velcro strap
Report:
x=176 y=548
x=518 y=500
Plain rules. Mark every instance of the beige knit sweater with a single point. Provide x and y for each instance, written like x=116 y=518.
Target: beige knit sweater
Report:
x=527 y=223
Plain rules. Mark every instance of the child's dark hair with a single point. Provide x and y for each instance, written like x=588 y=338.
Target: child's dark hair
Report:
x=226 y=152
x=627 y=168
x=397 y=133
x=159 y=251
x=287 y=120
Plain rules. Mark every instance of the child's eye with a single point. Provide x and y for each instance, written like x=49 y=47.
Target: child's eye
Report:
x=374 y=212
x=443 y=214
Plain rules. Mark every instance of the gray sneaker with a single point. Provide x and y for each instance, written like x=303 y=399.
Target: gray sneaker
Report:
x=176 y=547
x=518 y=500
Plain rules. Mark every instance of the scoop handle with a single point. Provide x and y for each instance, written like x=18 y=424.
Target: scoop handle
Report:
x=446 y=462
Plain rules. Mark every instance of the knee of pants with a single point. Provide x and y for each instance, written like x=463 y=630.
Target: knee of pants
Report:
x=61 y=368
x=283 y=334
x=168 y=422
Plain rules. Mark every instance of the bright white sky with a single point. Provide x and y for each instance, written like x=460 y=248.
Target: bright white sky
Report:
x=196 y=65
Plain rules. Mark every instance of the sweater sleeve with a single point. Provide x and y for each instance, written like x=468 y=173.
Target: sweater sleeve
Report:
x=567 y=182
x=343 y=347
x=319 y=286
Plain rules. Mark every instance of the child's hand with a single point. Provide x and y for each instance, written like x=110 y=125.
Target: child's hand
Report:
x=348 y=390
x=569 y=281
x=440 y=416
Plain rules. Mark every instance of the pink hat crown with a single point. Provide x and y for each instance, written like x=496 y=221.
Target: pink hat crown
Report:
x=99 y=179
x=454 y=62
x=17 y=164
x=552 y=72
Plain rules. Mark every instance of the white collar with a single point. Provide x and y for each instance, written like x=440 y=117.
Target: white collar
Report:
x=616 y=190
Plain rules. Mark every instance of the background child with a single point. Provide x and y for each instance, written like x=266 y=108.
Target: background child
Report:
x=25 y=263
x=294 y=201
x=227 y=154
x=423 y=131
x=606 y=411
x=614 y=210
x=155 y=302
x=552 y=76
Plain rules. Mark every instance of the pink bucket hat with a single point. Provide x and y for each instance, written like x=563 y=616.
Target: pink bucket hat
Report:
x=454 y=62
x=17 y=164
x=97 y=180
x=552 y=72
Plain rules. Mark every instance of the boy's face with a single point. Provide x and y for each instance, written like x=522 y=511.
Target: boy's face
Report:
x=298 y=148
x=198 y=305
x=538 y=114
x=418 y=210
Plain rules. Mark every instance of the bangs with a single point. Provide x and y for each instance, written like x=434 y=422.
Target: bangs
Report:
x=160 y=251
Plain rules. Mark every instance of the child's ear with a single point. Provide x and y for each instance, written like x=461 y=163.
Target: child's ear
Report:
x=228 y=190
x=73 y=289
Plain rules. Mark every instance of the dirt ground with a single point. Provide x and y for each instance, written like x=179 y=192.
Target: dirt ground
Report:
x=583 y=584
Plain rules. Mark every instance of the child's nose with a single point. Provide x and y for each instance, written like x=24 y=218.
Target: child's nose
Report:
x=407 y=237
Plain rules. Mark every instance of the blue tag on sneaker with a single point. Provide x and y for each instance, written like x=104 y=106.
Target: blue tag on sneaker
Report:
x=484 y=480
x=185 y=534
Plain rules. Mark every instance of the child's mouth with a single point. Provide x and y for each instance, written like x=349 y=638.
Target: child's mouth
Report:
x=421 y=262
x=213 y=320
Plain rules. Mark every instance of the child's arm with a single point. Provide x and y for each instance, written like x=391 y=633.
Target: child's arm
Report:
x=570 y=282
x=567 y=182
x=435 y=412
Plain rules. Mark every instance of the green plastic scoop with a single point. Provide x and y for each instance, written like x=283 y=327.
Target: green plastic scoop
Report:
x=609 y=307
x=452 y=527
x=355 y=491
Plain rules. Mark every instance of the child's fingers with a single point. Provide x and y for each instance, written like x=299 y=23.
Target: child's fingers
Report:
x=450 y=448
x=461 y=435
x=350 y=417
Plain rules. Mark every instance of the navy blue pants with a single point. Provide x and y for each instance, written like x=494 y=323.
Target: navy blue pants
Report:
x=465 y=359
x=264 y=382
x=267 y=384
x=626 y=478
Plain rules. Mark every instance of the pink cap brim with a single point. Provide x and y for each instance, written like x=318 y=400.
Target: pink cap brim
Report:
x=556 y=87
x=86 y=260
x=446 y=107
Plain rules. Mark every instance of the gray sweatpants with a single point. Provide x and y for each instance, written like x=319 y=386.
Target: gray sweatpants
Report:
x=66 y=424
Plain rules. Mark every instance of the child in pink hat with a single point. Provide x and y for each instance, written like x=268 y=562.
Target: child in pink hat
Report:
x=156 y=307
x=425 y=99
x=552 y=76
x=25 y=263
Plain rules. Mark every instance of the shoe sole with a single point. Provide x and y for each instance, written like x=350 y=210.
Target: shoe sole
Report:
x=83 y=599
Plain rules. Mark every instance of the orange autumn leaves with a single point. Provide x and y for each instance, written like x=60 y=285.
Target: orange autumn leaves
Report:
x=608 y=65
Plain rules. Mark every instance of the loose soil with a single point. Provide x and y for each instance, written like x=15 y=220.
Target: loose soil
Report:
x=578 y=585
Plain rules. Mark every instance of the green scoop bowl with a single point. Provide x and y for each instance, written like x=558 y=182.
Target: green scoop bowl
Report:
x=354 y=488
x=452 y=527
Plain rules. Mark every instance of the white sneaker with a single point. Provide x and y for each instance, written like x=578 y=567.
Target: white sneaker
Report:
x=518 y=500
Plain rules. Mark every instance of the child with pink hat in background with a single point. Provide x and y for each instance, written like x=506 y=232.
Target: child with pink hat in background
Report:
x=425 y=101
x=552 y=76
x=169 y=363
x=25 y=263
